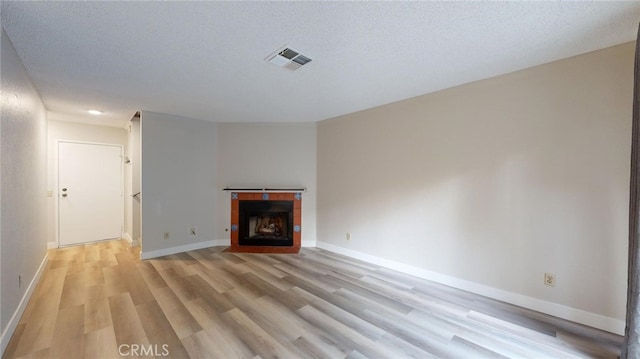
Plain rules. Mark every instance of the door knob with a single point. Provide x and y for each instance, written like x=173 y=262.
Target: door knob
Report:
x=64 y=190
x=64 y=195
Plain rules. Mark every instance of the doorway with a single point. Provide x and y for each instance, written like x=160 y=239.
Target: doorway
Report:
x=90 y=192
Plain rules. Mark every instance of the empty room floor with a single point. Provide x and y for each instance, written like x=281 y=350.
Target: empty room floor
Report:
x=100 y=301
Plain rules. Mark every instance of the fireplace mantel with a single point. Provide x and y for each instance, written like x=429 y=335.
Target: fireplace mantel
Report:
x=238 y=219
x=263 y=189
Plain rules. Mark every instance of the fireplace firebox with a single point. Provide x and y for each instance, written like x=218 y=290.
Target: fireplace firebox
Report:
x=266 y=222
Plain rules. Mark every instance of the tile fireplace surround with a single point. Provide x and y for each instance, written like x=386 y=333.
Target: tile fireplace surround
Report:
x=265 y=198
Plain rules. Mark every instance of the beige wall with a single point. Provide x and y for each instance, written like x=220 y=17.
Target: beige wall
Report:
x=491 y=184
x=267 y=155
x=70 y=131
x=23 y=223
x=132 y=221
x=178 y=183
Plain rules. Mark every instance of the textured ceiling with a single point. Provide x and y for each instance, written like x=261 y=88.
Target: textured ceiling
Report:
x=205 y=60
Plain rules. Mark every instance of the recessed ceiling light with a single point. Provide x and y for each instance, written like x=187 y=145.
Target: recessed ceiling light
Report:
x=95 y=112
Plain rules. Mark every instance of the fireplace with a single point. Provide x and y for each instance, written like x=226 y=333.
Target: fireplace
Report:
x=266 y=222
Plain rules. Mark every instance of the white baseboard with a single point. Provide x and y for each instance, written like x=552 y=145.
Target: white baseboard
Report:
x=311 y=243
x=608 y=324
x=127 y=237
x=177 y=249
x=52 y=245
x=222 y=242
x=15 y=318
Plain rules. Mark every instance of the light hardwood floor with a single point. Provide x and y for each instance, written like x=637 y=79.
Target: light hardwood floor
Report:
x=99 y=301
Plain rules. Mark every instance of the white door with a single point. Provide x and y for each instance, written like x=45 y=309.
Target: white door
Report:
x=90 y=203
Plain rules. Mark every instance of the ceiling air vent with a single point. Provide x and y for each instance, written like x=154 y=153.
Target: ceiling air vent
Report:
x=288 y=58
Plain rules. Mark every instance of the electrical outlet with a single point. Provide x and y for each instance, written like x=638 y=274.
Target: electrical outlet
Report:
x=192 y=231
x=166 y=236
x=348 y=236
x=550 y=279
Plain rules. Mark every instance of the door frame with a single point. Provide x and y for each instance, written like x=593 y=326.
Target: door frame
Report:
x=56 y=185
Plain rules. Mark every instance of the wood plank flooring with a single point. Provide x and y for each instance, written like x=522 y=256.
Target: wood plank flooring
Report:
x=100 y=301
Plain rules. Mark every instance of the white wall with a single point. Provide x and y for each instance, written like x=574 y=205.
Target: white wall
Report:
x=267 y=155
x=186 y=163
x=70 y=131
x=178 y=183
x=133 y=204
x=488 y=185
x=23 y=221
